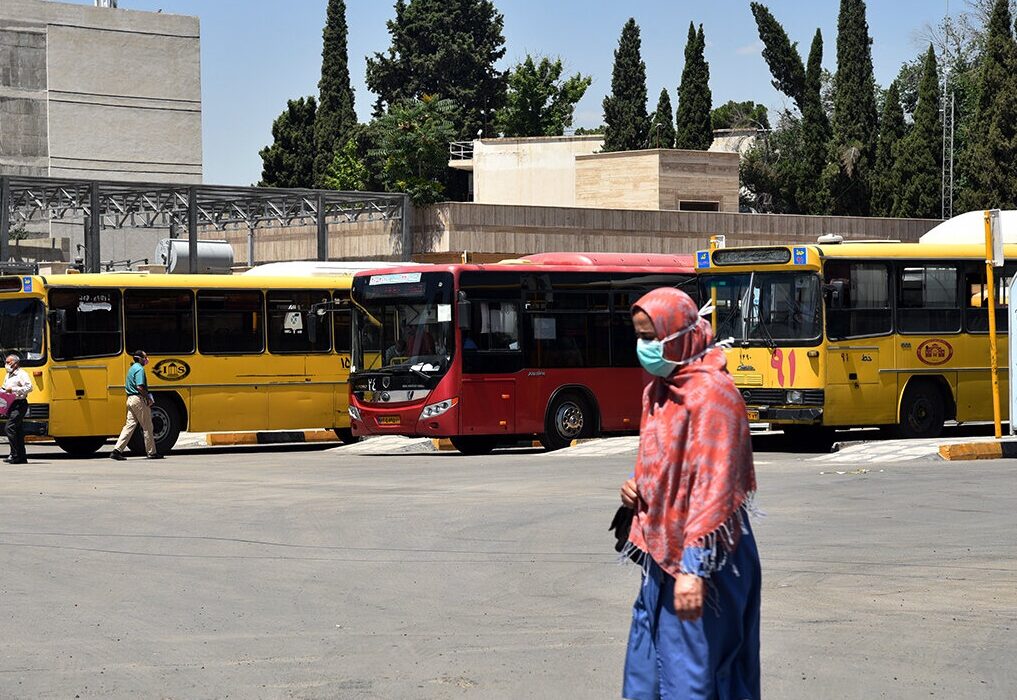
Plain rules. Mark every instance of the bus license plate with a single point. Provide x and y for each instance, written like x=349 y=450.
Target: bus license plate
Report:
x=753 y=414
x=388 y=420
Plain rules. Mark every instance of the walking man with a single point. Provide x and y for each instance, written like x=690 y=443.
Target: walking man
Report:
x=139 y=409
x=18 y=383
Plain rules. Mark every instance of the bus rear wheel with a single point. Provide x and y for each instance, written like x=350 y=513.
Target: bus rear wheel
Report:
x=570 y=418
x=80 y=446
x=922 y=411
x=166 y=426
x=474 y=444
x=346 y=436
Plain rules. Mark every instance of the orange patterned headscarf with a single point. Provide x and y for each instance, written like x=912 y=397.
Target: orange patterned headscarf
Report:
x=694 y=470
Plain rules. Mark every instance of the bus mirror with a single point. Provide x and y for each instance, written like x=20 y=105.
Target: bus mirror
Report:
x=465 y=310
x=58 y=320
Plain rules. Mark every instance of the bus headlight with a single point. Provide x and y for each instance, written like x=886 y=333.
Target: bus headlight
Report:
x=794 y=396
x=354 y=412
x=436 y=409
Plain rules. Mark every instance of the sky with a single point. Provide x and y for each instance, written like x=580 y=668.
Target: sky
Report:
x=256 y=54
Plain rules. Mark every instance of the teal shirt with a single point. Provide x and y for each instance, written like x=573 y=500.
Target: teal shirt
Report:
x=135 y=377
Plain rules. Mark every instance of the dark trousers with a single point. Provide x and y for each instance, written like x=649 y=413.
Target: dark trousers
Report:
x=15 y=428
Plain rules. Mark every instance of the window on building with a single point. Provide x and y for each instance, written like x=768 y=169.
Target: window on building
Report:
x=230 y=322
x=692 y=205
x=85 y=322
x=159 y=321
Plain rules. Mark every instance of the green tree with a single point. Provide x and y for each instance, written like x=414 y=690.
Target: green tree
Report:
x=336 y=115
x=662 y=123
x=446 y=48
x=989 y=159
x=853 y=146
x=918 y=162
x=780 y=55
x=625 y=120
x=539 y=102
x=289 y=161
x=740 y=115
x=695 y=100
x=769 y=171
x=891 y=130
x=347 y=171
x=413 y=141
x=810 y=194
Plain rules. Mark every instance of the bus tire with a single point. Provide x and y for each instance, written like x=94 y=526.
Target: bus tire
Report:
x=922 y=411
x=474 y=444
x=80 y=447
x=166 y=426
x=346 y=436
x=569 y=418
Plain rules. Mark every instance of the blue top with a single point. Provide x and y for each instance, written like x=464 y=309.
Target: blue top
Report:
x=135 y=377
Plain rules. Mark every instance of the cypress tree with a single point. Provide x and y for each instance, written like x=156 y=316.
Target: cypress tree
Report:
x=780 y=55
x=336 y=115
x=918 y=168
x=662 y=123
x=989 y=159
x=625 y=120
x=694 y=130
x=891 y=130
x=854 y=115
x=810 y=195
x=289 y=161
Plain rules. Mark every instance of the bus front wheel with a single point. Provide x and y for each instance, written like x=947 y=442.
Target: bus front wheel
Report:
x=166 y=426
x=474 y=444
x=80 y=446
x=570 y=418
x=922 y=411
x=346 y=436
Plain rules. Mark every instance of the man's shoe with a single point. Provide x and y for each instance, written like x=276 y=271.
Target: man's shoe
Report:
x=155 y=455
x=17 y=461
x=8 y=459
x=117 y=455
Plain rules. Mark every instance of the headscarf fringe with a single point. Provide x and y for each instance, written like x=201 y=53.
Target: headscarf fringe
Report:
x=715 y=557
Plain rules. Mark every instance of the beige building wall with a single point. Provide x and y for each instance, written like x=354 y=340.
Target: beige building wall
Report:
x=658 y=179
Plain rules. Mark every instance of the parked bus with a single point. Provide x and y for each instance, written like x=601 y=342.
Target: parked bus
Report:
x=858 y=334
x=228 y=352
x=541 y=346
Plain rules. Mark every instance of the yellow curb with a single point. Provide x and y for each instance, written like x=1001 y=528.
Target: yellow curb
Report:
x=231 y=439
x=971 y=450
x=442 y=444
x=38 y=438
x=270 y=437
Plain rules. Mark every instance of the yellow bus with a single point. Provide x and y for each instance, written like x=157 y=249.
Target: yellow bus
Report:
x=228 y=352
x=859 y=334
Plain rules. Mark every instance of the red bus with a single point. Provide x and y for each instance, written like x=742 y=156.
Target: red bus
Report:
x=482 y=354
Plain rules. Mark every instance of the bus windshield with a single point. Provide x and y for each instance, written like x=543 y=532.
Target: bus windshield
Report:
x=403 y=323
x=767 y=308
x=21 y=329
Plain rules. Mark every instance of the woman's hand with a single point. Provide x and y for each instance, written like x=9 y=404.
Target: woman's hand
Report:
x=688 y=597
x=629 y=494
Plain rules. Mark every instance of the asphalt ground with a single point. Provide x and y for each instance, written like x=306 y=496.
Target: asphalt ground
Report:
x=316 y=572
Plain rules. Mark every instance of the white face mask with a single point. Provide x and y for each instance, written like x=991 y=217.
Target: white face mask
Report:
x=10 y=367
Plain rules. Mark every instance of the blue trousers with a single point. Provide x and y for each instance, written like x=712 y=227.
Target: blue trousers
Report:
x=713 y=658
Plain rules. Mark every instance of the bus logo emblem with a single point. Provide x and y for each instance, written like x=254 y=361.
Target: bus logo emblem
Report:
x=703 y=258
x=800 y=256
x=935 y=351
x=171 y=370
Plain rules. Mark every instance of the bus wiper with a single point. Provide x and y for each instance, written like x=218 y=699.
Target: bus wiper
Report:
x=770 y=343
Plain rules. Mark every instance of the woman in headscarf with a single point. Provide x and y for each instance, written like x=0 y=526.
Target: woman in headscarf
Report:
x=695 y=622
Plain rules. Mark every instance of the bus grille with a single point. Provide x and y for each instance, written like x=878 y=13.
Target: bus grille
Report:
x=38 y=411
x=778 y=397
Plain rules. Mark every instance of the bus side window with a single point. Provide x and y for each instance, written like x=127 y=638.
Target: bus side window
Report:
x=91 y=322
x=927 y=298
x=288 y=322
x=857 y=299
x=161 y=321
x=230 y=321
x=976 y=298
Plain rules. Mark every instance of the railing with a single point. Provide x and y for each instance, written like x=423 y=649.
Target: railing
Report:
x=461 y=150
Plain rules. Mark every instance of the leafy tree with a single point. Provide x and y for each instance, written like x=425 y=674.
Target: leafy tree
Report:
x=625 y=119
x=891 y=130
x=662 y=123
x=413 y=141
x=694 y=130
x=989 y=160
x=347 y=171
x=780 y=55
x=740 y=115
x=289 y=161
x=336 y=115
x=918 y=167
x=852 y=148
x=811 y=196
x=444 y=48
x=590 y=131
x=539 y=102
x=769 y=171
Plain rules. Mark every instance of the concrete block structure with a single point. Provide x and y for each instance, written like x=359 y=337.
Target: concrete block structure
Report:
x=99 y=92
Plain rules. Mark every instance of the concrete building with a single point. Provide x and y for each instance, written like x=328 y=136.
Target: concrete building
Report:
x=99 y=92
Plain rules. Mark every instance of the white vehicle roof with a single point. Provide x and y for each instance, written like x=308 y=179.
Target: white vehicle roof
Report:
x=312 y=268
x=970 y=228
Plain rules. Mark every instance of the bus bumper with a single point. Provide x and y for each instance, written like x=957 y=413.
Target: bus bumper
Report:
x=31 y=427
x=769 y=414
